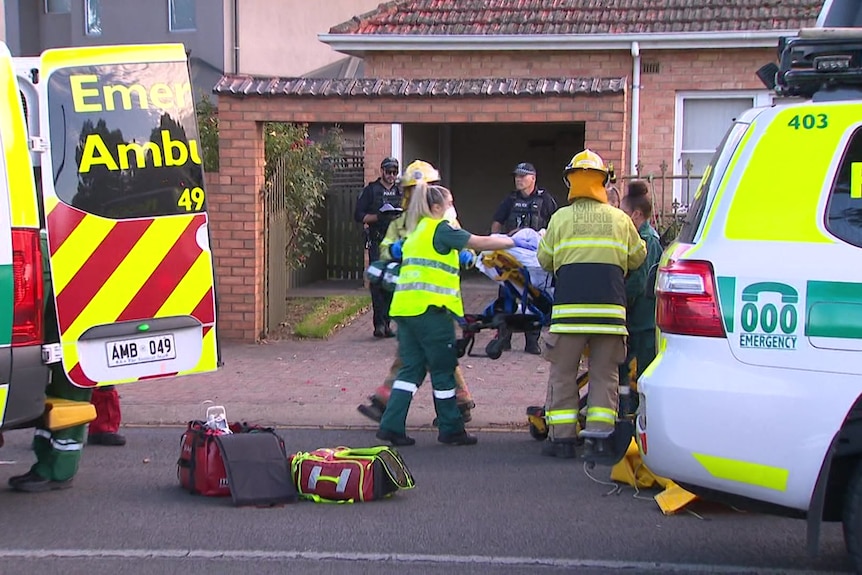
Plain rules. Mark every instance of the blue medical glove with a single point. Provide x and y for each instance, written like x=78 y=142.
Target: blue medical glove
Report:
x=395 y=250
x=467 y=259
x=526 y=243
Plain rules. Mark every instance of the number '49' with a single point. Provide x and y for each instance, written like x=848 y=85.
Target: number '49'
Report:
x=191 y=200
x=809 y=122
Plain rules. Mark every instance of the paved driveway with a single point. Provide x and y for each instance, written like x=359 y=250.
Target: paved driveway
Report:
x=320 y=383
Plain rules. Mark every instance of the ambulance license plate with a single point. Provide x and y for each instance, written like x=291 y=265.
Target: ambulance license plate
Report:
x=141 y=350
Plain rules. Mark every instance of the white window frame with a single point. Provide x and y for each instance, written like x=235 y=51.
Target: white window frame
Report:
x=87 y=19
x=170 y=19
x=758 y=97
x=63 y=11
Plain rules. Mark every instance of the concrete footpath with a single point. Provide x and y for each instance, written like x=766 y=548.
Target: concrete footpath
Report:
x=319 y=383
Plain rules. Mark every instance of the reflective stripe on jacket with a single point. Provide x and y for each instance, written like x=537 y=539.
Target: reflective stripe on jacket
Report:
x=427 y=278
x=590 y=246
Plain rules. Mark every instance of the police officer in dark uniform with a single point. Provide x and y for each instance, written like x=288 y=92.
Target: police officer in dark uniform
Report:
x=526 y=207
x=381 y=192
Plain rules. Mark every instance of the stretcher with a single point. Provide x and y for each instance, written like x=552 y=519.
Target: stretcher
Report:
x=523 y=303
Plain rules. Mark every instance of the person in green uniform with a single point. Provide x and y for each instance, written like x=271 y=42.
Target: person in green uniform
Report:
x=640 y=312
x=427 y=294
x=397 y=230
x=58 y=452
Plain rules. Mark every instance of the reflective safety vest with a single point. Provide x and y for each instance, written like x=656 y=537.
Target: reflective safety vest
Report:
x=590 y=246
x=427 y=278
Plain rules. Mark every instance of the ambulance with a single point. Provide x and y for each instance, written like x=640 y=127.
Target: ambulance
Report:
x=755 y=396
x=102 y=194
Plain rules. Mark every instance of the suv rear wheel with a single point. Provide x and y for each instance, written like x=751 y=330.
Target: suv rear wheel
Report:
x=852 y=518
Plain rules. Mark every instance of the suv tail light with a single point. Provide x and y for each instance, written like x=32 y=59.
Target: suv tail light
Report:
x=686 y=302
x=28 y=299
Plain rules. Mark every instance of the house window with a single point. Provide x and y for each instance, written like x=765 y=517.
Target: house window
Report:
x=58 y=6
x=702 y=120
x=182 y=15
x=93 y=10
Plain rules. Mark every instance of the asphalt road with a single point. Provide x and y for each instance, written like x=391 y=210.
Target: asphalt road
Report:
x=497 y=508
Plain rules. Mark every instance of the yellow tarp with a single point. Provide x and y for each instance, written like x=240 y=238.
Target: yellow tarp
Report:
x=631 y=470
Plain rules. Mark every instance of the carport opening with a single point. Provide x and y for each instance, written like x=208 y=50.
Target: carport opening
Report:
x=476 y=160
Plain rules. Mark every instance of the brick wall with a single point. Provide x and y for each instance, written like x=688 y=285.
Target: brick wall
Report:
x=236 y=213
x=235 y=206
x=689 y=70
x=694 y=70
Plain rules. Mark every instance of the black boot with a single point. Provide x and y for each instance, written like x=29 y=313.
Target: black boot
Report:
x=395 y=438
x=462 y=438
x=559 y=449
x=373 y=409
x=31 y=482
x=504 y=336
x=532 y=345
x=114 y=439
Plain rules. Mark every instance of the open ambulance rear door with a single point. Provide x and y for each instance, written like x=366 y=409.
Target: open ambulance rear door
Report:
x=125 y=204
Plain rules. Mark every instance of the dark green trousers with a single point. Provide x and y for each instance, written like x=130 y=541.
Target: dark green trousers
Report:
x=58 y=453
x=641 y=346
x=426 y=343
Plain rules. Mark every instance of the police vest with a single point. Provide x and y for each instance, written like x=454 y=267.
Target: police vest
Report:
x=384 y=196
x=527 y=212
x=427 y=278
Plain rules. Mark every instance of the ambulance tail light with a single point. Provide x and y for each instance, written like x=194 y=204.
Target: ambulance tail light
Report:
x=686 y=301
x=27 y=297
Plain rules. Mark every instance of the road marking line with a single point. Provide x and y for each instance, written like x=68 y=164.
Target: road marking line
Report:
x=407 y=558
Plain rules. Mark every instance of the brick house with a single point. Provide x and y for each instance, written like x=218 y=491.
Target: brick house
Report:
x=475 y=89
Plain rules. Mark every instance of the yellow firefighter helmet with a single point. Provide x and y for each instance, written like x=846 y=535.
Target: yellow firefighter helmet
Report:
x=417 y=171
x=586 y=160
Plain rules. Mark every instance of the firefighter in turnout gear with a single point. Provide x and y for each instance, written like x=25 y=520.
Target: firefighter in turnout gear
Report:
x=528 y=206
x=427 y=298
x=416 y=171
x=383 y=192
x=590 y=246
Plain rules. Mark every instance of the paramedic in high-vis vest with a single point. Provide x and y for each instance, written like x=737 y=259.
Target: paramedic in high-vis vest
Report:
x=416 y=171
x=590 y=246
x=58 y=452
x=427 y=299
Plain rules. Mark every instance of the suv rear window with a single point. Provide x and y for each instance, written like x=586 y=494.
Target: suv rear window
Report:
x=844 y=208
x=124 y=141
x=713 y=175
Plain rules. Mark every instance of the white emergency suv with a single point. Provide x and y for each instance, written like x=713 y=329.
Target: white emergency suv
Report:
x=755 y=397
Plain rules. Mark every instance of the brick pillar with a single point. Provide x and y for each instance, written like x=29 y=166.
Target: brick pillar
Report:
x=378 y=145
x=607 y=134
x=236 y=210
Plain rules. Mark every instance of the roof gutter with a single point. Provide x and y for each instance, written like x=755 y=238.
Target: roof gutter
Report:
x=359 y=44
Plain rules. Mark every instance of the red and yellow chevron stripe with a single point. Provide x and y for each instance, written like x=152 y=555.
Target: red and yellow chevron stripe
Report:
x=106 y=271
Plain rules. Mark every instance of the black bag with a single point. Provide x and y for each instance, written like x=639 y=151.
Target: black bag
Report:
x=257 y=468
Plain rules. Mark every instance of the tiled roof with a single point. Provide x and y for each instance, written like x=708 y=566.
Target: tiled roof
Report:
x=518 y=17
x=399 y=87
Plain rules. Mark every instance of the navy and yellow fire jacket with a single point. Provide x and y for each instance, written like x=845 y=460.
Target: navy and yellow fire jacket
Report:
x=590 y=246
